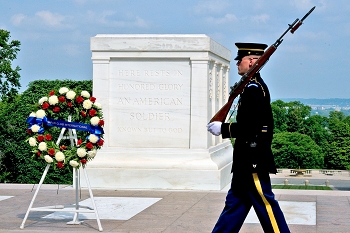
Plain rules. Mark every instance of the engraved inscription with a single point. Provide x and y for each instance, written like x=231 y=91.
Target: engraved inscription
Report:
x=151 y=101
x=141 y=116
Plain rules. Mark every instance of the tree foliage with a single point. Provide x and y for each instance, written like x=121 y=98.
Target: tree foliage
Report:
x=290 y=117
x=338 y=153
x=331 y=135
x=9 y=77
x=296 y=150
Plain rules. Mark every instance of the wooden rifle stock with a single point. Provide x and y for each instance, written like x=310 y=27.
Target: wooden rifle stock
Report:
x=238 y=87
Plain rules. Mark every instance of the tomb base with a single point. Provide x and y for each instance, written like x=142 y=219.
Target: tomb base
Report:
x=190 y=169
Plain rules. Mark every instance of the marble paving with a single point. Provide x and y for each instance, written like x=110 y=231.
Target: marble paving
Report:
x=302 y=213
x=124 y=208
x=4 y=197
x=112 y=208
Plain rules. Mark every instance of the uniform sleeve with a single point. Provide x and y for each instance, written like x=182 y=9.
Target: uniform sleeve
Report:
x=248 y=123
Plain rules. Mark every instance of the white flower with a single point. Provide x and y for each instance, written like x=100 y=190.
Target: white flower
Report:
x=63 y=90
x=73 y=163
x=85 y=94
x=81 y=152
x=35 y=128
x=59 y=156
x=32 y=141
x=53 y=100
x=87 y=104
x=94 y=120
x=48 y=159
x=92 y=153
x=42 y=146
x=98 y=105
x=42 y=100
x=93 y=138
x=32 y=114
x=40 y=113
x=70 y=95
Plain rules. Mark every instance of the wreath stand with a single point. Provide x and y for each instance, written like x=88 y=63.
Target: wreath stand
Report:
x=85 y=209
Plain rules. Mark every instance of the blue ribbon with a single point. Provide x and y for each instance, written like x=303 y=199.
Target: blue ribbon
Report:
x=97 y=130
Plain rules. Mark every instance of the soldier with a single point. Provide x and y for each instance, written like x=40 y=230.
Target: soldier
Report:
x=252 y=156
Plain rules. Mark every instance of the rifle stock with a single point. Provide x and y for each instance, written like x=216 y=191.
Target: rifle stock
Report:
x=238 y=87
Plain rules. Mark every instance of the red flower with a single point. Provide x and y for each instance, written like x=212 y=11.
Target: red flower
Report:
x=45 y=105
x=83 y=161
x=51 y=152
x=92 y=112
x=38 y=153
x=48 y=137
x=69 y=104
x=52 y=93
x=101 y=123
x=79 y=142
x=41 y=138
x=56 y=109
x=89 y=145
x=61 y=99
x=83 y=114
x=92 y=99
x=100 y=142
x=79 y=99
x=29 y=131
x=60 y=165
x=63 y=147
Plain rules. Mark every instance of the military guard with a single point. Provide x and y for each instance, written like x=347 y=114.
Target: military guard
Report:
x=252 y=156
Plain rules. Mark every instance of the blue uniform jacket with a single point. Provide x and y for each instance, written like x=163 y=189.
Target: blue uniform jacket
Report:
x=253 y=130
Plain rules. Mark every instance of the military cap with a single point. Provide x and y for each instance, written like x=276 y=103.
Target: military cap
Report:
x=246 y=49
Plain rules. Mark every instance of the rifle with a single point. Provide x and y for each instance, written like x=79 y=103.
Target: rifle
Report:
x=238 y=87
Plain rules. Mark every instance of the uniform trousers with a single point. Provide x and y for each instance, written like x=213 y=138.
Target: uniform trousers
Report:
x=249 y=190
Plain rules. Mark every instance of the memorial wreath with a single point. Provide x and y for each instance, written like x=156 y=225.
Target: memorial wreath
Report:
x=49 y=120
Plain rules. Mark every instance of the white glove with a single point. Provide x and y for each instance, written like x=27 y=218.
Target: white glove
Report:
x=215 y=127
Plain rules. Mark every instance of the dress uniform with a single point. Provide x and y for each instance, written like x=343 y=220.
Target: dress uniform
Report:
x=252 y=156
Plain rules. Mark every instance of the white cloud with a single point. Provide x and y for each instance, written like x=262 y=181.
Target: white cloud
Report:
x=217 y=6
x=228 y=18
x=263 y=18
x=108 y=18
x=305 y=5
x=50 y=19
x=141 y=23
x=17 y=19
x=41 y=19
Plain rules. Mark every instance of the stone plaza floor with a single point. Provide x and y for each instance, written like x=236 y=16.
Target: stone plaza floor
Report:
x=165 y=210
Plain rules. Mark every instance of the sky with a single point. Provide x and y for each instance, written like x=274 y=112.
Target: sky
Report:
x=311 y=63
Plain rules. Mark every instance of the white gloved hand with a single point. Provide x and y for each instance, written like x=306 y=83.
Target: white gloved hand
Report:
x=215 y=127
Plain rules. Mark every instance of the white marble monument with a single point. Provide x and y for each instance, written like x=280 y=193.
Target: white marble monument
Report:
x=158 y=92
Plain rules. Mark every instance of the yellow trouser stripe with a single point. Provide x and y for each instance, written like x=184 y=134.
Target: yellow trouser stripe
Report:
x=267 y=204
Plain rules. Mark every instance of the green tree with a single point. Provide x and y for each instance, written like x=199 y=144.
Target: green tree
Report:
x=290 y=116
x=296 y=115
x=338 y=154
x=316 y=127
x=9 y=77
x=296 y=150
x=279 y=111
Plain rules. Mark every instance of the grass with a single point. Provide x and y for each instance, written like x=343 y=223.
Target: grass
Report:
x=300 y=187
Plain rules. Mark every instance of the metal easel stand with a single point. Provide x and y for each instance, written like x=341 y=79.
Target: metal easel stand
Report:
x=76 y=184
